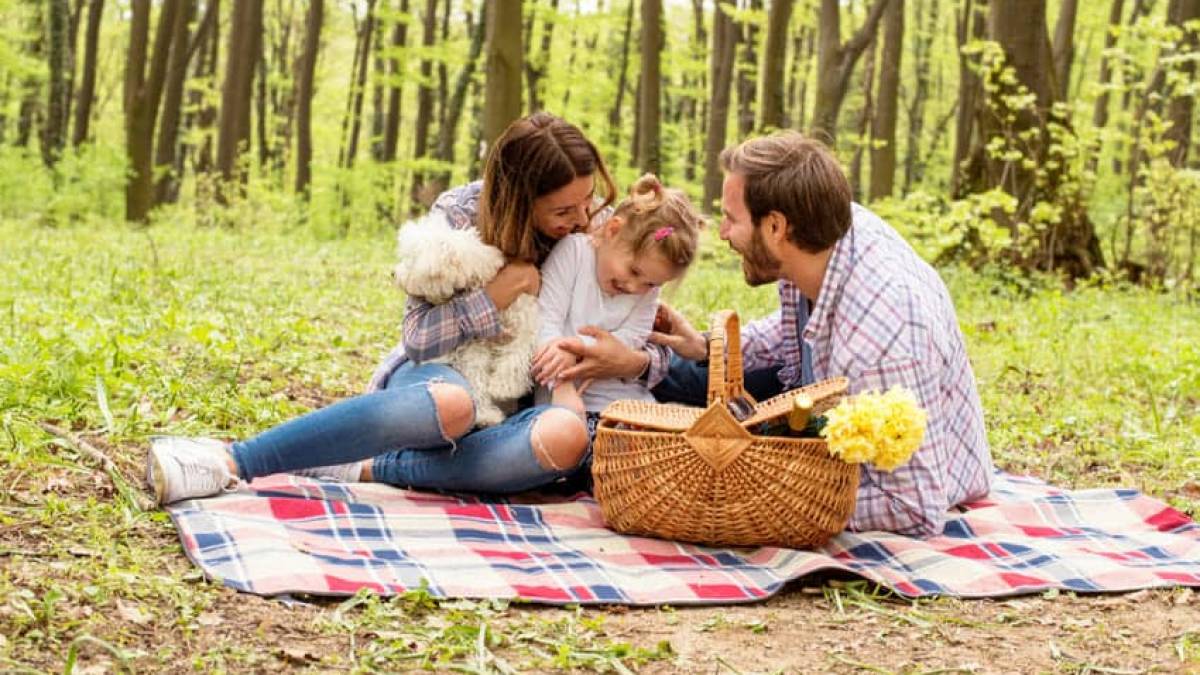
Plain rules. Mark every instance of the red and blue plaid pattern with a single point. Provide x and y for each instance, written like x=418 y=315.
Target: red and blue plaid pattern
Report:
x=287 y=534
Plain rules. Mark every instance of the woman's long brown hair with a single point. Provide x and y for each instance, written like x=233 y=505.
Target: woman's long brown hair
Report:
x=535 y=156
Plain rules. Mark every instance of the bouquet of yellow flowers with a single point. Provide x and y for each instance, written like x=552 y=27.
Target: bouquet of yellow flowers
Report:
x=883 y=429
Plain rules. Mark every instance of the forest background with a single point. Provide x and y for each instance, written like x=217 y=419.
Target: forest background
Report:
x=197 y=207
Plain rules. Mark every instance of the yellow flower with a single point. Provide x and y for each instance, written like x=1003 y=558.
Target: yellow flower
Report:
x=883 y=429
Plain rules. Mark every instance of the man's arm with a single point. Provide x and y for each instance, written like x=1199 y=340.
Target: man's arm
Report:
x=912 y=499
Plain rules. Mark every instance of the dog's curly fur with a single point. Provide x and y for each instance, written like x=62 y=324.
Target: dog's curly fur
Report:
x=437 y=262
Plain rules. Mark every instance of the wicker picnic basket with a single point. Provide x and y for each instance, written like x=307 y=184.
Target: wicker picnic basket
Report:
x=700 y=475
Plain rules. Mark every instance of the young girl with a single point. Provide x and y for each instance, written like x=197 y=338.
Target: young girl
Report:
x=611 y=279
x=415 y=426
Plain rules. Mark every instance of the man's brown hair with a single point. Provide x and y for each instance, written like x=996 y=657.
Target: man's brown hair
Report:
x=536 y=155
x=798 y=177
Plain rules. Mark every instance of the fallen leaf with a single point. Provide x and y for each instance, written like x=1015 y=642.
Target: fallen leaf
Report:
x=1184 y=596
x=210 y=619
x=1190 y=489
x=297 y=655
x=133 y=613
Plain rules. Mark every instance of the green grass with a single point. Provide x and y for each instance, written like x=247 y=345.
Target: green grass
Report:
x=112 y=334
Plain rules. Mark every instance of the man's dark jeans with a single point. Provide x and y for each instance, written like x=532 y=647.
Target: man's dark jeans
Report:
x=687 y=382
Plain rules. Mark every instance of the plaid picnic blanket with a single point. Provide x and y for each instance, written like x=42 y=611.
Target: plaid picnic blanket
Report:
x=287 y=534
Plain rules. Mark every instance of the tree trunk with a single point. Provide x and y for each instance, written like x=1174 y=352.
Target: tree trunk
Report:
x=1069 y=245
x=54 y=133
x=168 y=128
x=694 y=107
x=650 y=119
x=245 y=34
x=1064 y=46
x=391 y=130
x=835 y=64
x=801 y=62
x=771 y=96
x=142 y=96
x=443 y=69
x=1100 y=115
x=967 y=170
x=359 y=90
x=502 y=92
x=862 y=126
x=447 y=132
x=614 y=113
x=724 y=41
x=1182 y=102
x=87 y=86
x=535 y=67
x=425 y=97
x=922 y=48
x=883 y=126
x=746 y=72
x=305 y=70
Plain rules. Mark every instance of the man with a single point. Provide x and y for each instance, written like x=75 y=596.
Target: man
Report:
x=855 y=301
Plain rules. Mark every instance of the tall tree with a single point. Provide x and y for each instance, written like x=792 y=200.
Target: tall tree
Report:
x=87 y=86
x=650 y=117
x=614 y=113
x=1100 y=114
x=245 y=35
x=883 y=125
x=967 y=168
x=306 y=67
x=1070 y=243
x=747 y=71
x=391 y=126
x=426 y=91
x=537 y=64
x=143 y=93
x=359 y=89
x=1184 y=14
x=771 y=82
x=206 y=76
x=802 y=55
x=862 y=126
x=1064 y=46
x=724 y=45
x=922 y=48
x=168 y=127
x=448 y=130
x=502 y=92
x=54 y=133
x=835 y=63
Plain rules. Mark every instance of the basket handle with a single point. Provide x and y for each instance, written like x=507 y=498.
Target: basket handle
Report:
x=725 y=380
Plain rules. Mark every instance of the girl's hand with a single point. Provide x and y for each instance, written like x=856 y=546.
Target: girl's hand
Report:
x=511 y=282
x=551 y=359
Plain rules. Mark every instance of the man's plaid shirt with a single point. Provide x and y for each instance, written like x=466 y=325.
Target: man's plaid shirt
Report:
x=883 y=317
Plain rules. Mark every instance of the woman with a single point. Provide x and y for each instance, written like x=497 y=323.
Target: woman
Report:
x=414 y=427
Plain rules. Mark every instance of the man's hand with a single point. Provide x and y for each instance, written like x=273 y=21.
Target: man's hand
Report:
x=511 y=281
x=550 y=360
x=607 y=358
x=683 y=337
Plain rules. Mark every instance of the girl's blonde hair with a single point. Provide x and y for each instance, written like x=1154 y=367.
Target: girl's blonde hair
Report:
x=659 y=219
x=536 y=155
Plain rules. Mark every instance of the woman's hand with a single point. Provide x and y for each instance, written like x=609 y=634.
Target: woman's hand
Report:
x=607 y=357
x=682 y=336
x=551 y=359
x=511 y=281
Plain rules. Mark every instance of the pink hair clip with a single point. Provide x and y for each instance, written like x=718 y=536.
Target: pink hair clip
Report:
x=663 y=232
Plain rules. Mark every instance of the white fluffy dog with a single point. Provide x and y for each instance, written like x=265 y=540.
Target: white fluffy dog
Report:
x=438 y=262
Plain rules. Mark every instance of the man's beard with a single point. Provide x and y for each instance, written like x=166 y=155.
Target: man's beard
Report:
x=758 y=265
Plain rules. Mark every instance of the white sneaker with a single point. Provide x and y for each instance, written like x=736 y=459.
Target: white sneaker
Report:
x=184 y=468
x=334 y=473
